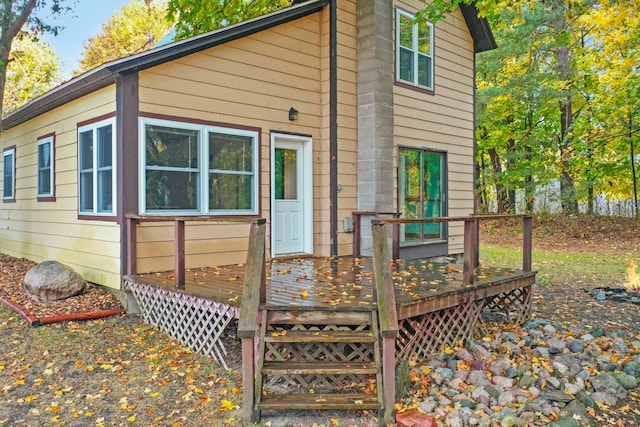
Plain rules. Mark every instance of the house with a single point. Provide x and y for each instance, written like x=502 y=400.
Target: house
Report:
x=302 y=117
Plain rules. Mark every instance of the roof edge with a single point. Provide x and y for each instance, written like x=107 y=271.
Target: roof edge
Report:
x=109 y=73
x=479 y=27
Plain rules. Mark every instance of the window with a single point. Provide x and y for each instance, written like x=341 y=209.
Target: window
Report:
x=197 y=169
x=9 y=174
x=421 y=176
x=46 y=167
x=96 y=157
x=414 y=51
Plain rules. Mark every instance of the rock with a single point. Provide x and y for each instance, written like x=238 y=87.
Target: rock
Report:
x=601 y=397
x=628 y=382
x=413 y=418
x=549 y=329
x=577 y=410
x=586 y=400
x=526 y=380
x=506 y=399
x=52 y=281
x=478 y=378
x=556 y=396
x=499 y=366
x=503 y=382
x=509 y=421
x=606 y=383
x=535 y=323
x=565 y=422
x=575 y=346
x=632 y=368
x=464 y=355
x=478 y=351
x=445 y=373
x=596 y=333
x=541 y=352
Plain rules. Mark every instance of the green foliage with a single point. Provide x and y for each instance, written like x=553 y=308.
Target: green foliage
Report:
x=193 y=17
x=33 y=70
x=554 y=99
x=133 y=29
x=15 y=15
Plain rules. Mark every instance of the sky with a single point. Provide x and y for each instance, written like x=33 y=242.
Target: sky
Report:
x=85 y=21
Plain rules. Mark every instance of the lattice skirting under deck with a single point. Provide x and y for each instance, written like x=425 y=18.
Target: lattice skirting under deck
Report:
x=195 y=322
x=429 y=334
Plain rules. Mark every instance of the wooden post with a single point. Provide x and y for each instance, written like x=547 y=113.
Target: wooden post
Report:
x=356 y=234
x=396 y=241
x=527 y=242
x=469 y=251
x=387 y=315
x=179 y=272
x=130 y=266
x=248 y=323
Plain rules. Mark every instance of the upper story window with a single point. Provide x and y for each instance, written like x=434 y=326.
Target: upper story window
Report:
x=96 y=160
x=414 y=50
x=46 y=167
x=9 y=175
x=197 y=169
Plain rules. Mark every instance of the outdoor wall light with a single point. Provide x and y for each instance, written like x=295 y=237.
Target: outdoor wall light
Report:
x=293 y=114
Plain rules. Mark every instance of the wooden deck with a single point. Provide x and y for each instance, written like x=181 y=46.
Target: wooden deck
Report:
x=331 y=315
x=420 y=286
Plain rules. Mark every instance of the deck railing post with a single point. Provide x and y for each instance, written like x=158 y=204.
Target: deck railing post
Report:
x=527 y=242
x=179 y=273
x=469 y=250
x=252 y=293
x=131 y=262
x=387 y=314
x=356 y=234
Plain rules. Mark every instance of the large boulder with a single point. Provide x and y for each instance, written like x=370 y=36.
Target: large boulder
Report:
x=52 y=281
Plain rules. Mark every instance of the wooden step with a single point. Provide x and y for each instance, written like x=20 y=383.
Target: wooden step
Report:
x=337 y=336
x=287 y=367
x=319 y=401
x=318 y=317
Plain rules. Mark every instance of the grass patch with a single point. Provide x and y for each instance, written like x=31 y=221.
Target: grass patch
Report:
x=597 y=268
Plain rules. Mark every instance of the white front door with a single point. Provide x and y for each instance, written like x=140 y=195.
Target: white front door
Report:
x=291 y=187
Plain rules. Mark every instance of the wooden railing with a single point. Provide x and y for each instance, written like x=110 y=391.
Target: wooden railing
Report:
x=357 y=230
x=179 y=222
x=471 y=237
x=387 y=315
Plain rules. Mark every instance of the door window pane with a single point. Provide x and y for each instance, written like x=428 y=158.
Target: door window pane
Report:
x=286 y=174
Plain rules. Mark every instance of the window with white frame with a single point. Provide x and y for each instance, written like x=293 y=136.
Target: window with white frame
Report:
x=414 y=50
x=96 y=160
x=197 y=169
x=46 y=167
x=9 y=174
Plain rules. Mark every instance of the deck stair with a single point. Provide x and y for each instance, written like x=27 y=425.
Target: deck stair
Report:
x=322 y=360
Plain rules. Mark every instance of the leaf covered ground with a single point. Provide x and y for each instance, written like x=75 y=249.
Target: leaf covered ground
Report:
x=122 y=372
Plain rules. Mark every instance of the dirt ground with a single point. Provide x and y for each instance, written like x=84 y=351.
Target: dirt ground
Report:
x=122 y=372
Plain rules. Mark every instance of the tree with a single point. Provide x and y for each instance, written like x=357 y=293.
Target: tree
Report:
x=194 y=17
x=134 y=28
x=33 y=70
x=17 y=13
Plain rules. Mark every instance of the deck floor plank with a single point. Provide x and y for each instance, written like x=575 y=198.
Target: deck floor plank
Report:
x=321 y=283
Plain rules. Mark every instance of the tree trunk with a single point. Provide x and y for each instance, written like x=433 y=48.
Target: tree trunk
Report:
x=568 y=196
x=501 y=193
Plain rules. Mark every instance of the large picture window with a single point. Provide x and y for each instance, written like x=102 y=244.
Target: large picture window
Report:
x=197 y=169
x=9 y=174
x=46 y=167
x=421 y=178
x=96 y=159
x=414 y=50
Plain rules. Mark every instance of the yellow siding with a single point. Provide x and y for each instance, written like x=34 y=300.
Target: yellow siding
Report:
x=347 y=120
x=444 y=121
x=248 y=82
x=51 y=230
